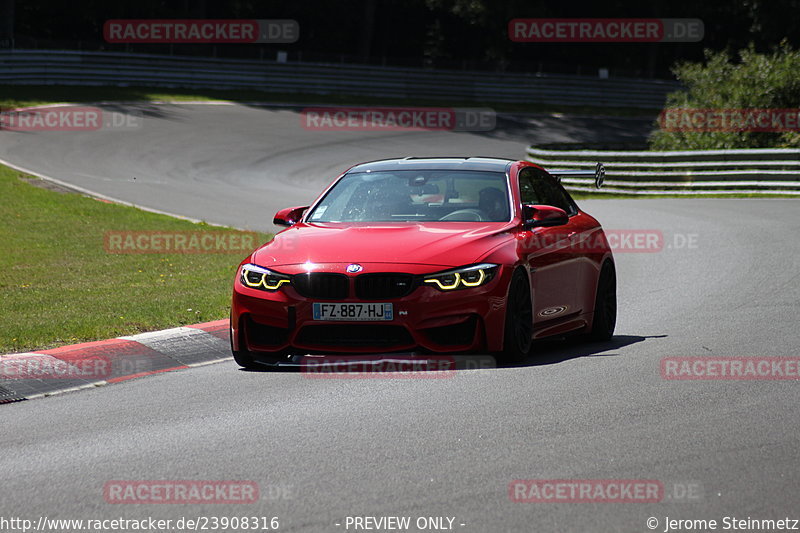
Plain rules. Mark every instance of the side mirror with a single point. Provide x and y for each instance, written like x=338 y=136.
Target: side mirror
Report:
x=289 y=216
x=538 y=216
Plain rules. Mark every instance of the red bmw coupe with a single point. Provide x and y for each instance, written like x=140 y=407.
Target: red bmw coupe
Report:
x=427 y=255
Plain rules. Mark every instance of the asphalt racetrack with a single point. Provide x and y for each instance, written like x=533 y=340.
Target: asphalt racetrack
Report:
x=724 y=283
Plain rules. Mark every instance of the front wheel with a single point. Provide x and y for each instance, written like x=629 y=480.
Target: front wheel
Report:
x=518 y=334
x=245 y=360
x=261 y=360
x=605 y=305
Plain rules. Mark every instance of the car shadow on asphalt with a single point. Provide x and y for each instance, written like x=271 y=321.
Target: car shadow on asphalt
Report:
x=544 y=352
x=554 y=351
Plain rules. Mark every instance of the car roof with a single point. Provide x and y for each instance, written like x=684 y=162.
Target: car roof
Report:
x=436 y=163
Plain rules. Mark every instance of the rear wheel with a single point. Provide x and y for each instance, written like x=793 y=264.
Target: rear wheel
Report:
x=605 y=305
x=518 y=334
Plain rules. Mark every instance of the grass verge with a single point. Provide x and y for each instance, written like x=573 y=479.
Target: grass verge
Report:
x=59 y=285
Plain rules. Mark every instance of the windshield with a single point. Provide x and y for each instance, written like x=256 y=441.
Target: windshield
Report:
x=416 y=196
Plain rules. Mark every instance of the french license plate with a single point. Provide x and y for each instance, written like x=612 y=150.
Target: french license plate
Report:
x=354 y=311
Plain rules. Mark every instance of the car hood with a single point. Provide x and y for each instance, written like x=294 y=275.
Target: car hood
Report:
x=446 y=244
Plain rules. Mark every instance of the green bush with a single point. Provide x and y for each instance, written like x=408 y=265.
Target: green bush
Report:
x=756 y=80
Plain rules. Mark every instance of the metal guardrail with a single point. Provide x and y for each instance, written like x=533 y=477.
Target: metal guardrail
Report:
x=702 y=172
x=36 y=67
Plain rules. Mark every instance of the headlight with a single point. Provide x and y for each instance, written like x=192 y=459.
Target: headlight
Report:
x=258 y=277
x=462 y=278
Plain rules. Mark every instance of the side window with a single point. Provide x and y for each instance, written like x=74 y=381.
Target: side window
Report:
x=528 y=193
x=538 y=187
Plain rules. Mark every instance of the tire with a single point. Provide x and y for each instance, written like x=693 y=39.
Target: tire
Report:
x=245 y=360
x=518 y=332
x=605 y=304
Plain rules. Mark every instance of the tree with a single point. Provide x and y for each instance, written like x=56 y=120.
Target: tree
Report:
x=725 y=84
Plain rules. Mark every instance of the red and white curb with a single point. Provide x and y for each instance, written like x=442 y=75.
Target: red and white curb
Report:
x=31 y=375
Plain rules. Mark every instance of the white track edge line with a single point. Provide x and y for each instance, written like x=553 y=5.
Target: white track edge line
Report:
x=101 y=196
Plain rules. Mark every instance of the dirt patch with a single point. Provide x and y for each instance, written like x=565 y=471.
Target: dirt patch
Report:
x=45 y=184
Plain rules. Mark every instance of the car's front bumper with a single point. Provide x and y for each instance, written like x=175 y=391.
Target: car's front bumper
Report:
x=427 y=319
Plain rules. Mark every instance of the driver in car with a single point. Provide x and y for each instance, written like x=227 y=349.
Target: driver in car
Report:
x=492 y=202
